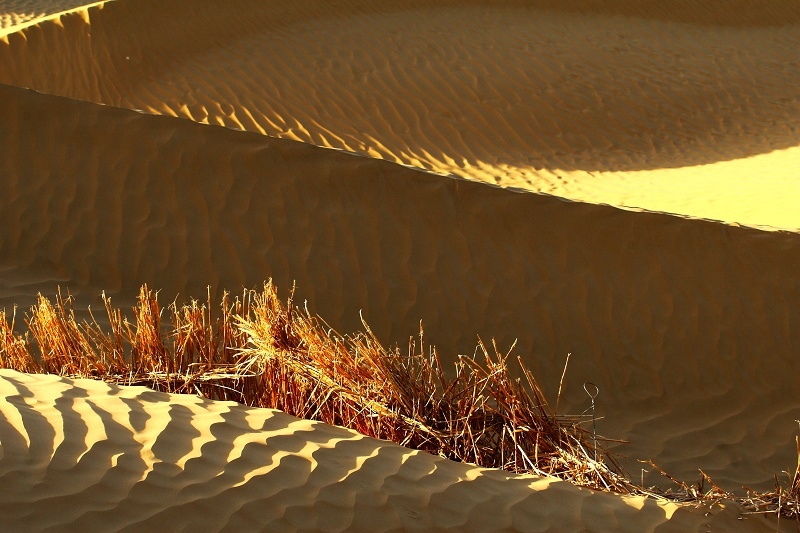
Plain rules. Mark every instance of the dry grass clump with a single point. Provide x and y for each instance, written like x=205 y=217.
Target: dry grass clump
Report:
x=196 y=353
x=481 y=416
x=15 y=351
x=262 y=352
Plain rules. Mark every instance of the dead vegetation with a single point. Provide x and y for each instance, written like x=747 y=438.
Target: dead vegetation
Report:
x=262 y=352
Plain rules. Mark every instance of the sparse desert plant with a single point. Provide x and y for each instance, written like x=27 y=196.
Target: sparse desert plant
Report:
x=264 y=352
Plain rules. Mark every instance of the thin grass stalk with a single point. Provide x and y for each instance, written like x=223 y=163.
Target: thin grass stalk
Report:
x=15 y=350
x=64 y=349
x=148 y=352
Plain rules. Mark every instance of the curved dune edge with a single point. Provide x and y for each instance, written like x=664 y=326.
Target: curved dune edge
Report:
x=693 y=114
x=687 y=327
x=18 y=14
x=81 y=454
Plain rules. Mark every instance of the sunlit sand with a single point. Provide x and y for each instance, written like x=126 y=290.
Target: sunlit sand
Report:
x=613 y=179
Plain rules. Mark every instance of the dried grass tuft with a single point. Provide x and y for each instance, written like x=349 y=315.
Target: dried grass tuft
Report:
x=15 y=350
x=482 y=416
x=263 y=352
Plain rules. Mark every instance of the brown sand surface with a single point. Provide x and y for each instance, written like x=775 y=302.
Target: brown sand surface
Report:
x=675 y=106
x=99 y=457
x=690 y=328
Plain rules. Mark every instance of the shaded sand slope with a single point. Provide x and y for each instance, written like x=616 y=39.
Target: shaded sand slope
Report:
x=690 y=328
x=106 y=458
x=676 y=106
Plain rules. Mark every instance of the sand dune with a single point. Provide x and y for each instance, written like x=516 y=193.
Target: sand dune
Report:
x=690 y=328
x=659 y=312
x=581 y=102
x=107 y=458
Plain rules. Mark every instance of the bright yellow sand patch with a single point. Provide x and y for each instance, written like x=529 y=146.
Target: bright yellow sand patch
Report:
x=17 y=13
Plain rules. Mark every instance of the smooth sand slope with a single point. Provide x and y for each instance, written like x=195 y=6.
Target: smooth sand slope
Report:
x=685 y=108
x=106 y=458
x=689 y=328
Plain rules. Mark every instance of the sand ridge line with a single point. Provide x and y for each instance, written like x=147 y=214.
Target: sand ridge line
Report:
x=665 y=315
x=653 y=114
x=115 y=469
x=16 y=15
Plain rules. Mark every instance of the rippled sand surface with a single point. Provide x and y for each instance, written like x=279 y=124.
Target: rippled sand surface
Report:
x=613 y=179
x=16 y=13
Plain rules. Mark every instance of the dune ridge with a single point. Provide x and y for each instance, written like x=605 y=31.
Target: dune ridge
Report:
x=505 y=94
x=16 y=13
x=659 y=312
x=128 y=459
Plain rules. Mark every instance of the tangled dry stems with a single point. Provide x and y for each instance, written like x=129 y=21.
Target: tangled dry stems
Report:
x=262 y=352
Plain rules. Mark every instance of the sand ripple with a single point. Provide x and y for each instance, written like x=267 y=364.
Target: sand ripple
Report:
x=105 y=458
x=690 y=328
x=666 y=316
x=590 y=105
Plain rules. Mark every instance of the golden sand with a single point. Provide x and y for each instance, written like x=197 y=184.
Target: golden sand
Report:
x=689 y=327
x=581 y=104
x=84 y=455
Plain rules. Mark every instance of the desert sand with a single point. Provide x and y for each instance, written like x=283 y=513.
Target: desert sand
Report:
x=102 y=457
x=613 y=179
x=16 y=14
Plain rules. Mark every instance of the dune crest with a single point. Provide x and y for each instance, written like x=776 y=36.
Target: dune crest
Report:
x=128 y=458
x=665 y=315
x=582 y=102
x=17 y=13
